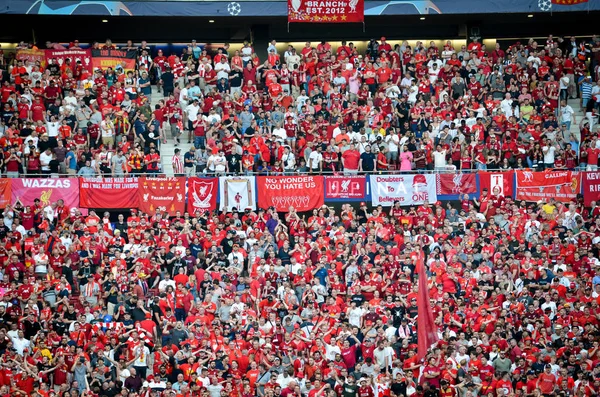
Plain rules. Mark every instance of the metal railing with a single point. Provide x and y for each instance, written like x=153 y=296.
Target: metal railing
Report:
x=271 y=173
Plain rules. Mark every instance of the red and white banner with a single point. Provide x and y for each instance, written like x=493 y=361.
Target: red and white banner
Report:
x=406 y=189
x=591 y=187
x=5 y=189
x=108 y=193
x=304 y=193
x=85 y=56
x=237 y=192
x=497 y=183
x=455 y=183
x=165 y=194
x=32 y=56
x=559 y=185
x=345 y=187
x=48 y=190
x=326 y=11
x=202 y=194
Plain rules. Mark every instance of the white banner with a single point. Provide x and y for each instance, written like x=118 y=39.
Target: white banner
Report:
x=237 y=192
x=407 y=189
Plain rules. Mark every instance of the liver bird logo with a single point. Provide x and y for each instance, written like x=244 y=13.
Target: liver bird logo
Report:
x=345 y=185
x=45 y=197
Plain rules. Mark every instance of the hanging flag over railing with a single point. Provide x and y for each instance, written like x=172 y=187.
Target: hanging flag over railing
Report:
x=326 y=11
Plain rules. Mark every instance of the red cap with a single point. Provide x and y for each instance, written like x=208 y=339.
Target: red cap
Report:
x=362 y=204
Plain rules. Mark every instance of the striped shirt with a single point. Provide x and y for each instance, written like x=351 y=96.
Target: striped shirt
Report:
x=586 y=89
x=177 y=165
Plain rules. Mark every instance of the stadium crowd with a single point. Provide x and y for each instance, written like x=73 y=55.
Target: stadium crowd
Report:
x=257 y=303
x=313 y=109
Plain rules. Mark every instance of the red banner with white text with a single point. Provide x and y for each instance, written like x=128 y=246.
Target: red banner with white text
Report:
x=109 y=192
x=164 y=194
x=345 y=187
x=455 y=183
x=304 y=193
x=202 y=194
x=591 y=187
x=326 y=11
x=85 y=56
x=559 y=185
x=48 y=190
x=497 y=183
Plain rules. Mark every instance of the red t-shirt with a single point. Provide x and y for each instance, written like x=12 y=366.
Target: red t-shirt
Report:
x=351 y=159
x=547 y=383
x=593 y=154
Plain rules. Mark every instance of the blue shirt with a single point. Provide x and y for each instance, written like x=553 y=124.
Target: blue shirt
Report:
x=196 y=51
x=194 y=92
x=146 y=90
x=321 y=274
x=139 y=127
x=72 y=160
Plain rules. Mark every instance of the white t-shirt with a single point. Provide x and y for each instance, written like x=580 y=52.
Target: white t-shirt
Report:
x=222 y=70
x=45 y=160
x=280 y=133
x=215 y=390
x=183 y=95
x=316 y=158
x=393 y=142
x=566 y=113
x=192 y=112
x=439 y=158
x=142 y=360
x=218 y=163
x=52 y=128
x=331 y=351
x=355 y=315
x=548 y=154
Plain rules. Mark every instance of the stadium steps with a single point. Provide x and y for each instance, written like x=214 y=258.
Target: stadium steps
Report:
x=579 y=114
x=168 y=149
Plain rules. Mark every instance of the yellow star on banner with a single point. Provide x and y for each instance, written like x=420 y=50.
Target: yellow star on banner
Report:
x=317 y=19
x=334 y=18
x=325 y=18
x=343 y=17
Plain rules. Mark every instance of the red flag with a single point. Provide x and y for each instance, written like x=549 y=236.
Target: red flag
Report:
x=426 y=328
x=568 y=2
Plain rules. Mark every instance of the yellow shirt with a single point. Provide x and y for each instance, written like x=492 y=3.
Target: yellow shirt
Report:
x=548 y=208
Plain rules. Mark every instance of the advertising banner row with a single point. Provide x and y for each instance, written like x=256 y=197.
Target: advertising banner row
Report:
x=303 y=192
x=90 y=58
